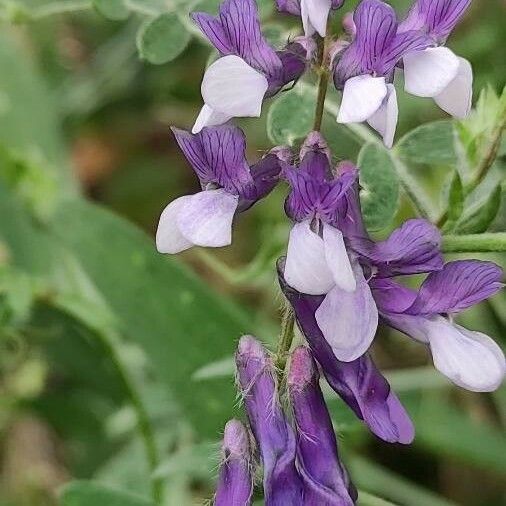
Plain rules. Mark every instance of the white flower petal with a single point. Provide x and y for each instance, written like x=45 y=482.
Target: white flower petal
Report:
x=384 y=120
x=362 y=97
x=314 y=15
x=233 y=88
x=337 y=259
x=208 y=117
x=348 y=320
x=470 y=359
x=457 y=97
x=206 y=218
x=427 y=73
x=169 y=238
x=306 y=268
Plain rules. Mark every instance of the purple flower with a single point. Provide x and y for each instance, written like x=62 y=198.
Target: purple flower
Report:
x=470 y=359
x=275 y=437
x=364 y=70
x=359 y=382
x=326 y=482
x=229 y=185
x=436 y=71
x=249 y=69
x=235 y=483
x=314 y=13
x=317 y=260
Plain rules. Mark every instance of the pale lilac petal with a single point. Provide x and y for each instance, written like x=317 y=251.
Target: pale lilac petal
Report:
x=427 y=73
x=337 y=259
x=314 y=15
x=456 y=98
x=208 y=117
x=169 y=238
x=348 y=320
x=362 y=97
x=471 y=360
x=306 y=265
x=206 y=218
x=384 y=120
x=458 y=286
x=234 y=88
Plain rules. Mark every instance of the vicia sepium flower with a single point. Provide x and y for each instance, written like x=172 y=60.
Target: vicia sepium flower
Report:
x=317 y=261
x=248 y=69
x=358 y=383
x=326 y=482
x=273 y=434
x=314 y=13
x=364 y=71
x=235 y=482
x=229 y=185
x=470 y=359
x=436 y=71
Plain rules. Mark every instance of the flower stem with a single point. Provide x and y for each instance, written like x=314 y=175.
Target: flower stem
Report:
x=323 y=81
x=285 y=339
x=474 y=243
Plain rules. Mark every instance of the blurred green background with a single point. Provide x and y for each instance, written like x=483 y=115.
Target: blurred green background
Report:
x=98 y=331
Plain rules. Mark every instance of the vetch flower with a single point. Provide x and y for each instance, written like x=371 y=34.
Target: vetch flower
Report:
x=470 y=359
x=314 y=13
x=326 y=482
x=248 y=69
x=436 y=71
x=358 y=383
x=365 y=69
x=235 y=482
x=275 y=437
x=229 y=185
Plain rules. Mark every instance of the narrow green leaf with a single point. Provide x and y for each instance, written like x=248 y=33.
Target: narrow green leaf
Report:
x=365 y=499
x=479 y=217
x=290 y=117
x=88 y=493
x=112 y=9
x=380 y=186
x=162 y=39
x=455 y=198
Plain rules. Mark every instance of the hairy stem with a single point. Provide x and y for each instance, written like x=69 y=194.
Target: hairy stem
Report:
x=323 y=81
x=285 y=339
x=474 y=243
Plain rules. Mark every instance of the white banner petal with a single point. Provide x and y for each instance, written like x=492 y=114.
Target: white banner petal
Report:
x=338 y=259
x=208 y=117
x=384 y=120
x=169 y=238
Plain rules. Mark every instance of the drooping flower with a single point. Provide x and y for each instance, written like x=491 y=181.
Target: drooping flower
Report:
x=235 y=482
x=326 y=482
x=314 y=13
x=470 y=359
x=358 y=383
x=436 y=71
x=248 y=69
x=229 y=185
x=273 y=434
x=365 y=69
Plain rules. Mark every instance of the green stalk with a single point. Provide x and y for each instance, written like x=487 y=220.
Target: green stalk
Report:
x=474 y=243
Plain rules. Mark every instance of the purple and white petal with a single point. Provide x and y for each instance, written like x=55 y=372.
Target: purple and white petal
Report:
x=362 y=97
x=232 y=87
x=209 y=117
x=456 y=98
x=314 y=15
x=427 y=73
x=289 y=6
x=169 y=238
x=458 y=286
x=306 y=267
x=206 y=218
x=384 y=120
x=349 y=320
x=338 y=260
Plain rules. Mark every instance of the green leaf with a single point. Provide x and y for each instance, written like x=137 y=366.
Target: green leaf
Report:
x=455 y=198
x=480 y=216
x=162 y=39
x=380 y=186
x=112 y=9
x=290 y=117
x=88 y=493
x=432 y=143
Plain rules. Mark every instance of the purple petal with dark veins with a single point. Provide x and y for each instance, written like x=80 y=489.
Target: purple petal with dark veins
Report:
x=293 y=6
x=411 y=249
x=237 y=31
x=359 y=383
x=391 y=297
x=458 y=286
x=235 y=482
x=275 y=437
x=325 y=479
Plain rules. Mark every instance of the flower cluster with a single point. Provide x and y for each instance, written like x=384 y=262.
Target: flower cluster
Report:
x=339 y=282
